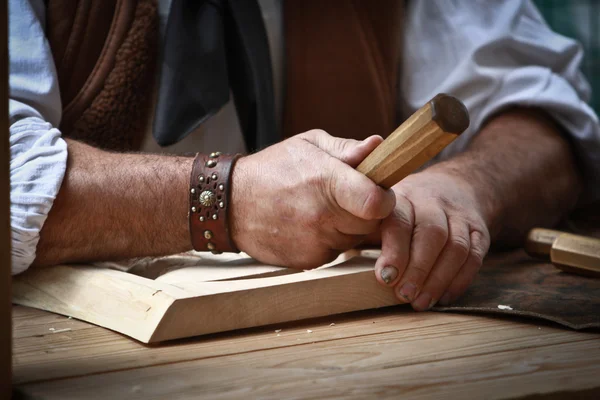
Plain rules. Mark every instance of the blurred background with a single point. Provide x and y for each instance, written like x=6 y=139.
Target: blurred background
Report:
x=579 y=19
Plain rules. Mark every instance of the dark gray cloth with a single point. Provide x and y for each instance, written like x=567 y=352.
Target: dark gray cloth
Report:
x=210 y=48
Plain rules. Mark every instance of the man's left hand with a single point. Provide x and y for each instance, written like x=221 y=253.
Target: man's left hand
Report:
x=434 y=243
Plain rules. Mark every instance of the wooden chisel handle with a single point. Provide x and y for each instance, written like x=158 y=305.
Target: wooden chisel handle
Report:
x=427 y=132
x=576 y=254
x=571 y=253
x=539 y=242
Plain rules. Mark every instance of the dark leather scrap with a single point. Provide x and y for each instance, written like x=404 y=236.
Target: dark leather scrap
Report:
x=532 y=289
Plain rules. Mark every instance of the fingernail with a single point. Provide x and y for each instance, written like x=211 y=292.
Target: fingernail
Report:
x=445 y=300
x=431 y=304
x=423 y=302
x=389 y=274
x=408 y=291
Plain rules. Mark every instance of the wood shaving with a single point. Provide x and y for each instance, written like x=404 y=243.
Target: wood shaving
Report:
x=332 y=324
x=60 y=330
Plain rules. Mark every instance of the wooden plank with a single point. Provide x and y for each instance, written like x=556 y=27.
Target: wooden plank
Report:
x=175 y=306
x=256 y=302
x=110 y=298
x=472 y=360
x=5 y=252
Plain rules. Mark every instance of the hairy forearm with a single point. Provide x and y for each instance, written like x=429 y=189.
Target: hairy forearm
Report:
x=115 y=206
x=523 y=174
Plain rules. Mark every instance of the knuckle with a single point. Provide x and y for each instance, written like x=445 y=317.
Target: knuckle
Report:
x=479 y=247
x=319 y=132
x=342 y=149
x=435 y=232
x=404 y=213
x=403 y=220
x=459 y=246
x=322 y=138
x=397 y=260
x=477 y=255
x=316 y=216
x=372 y=202
x=419 y=271
x=436 y=283
x=313 y=136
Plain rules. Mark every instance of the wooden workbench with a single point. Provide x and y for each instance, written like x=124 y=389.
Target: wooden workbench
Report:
x=386 y=353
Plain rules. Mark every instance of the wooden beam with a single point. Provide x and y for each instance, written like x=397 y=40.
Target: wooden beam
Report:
x=5 y=253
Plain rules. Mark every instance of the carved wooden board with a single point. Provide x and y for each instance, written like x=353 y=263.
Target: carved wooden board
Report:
x=196 y=294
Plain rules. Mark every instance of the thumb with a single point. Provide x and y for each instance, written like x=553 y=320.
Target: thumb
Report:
x=349 y=151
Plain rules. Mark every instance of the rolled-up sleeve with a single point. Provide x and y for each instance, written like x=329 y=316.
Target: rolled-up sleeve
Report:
x=496 y=54
x=38 y=153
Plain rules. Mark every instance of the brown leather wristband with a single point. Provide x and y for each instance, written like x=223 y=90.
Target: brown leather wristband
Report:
x=210 y=187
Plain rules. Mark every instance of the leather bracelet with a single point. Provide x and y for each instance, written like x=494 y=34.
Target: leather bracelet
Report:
x=210 y=188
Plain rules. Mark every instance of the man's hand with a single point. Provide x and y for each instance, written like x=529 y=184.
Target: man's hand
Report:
x=300 y=202
x=435 y=241
x=517 y=173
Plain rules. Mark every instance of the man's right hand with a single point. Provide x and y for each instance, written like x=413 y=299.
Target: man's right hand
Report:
x=300 y=202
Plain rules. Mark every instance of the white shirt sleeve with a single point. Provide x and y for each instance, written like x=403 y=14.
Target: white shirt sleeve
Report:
x=492 y=55
x=38 y=153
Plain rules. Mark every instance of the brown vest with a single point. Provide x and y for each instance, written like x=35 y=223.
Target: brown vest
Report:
x=341 y=67
x=105 y=56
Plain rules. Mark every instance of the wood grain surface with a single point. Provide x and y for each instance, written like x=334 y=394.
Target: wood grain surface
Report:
x=386 y=353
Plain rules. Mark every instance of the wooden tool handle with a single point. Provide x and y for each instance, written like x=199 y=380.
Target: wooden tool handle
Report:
x=576 y=254
x=539 y=242
x=571 y=253
x=416 y=141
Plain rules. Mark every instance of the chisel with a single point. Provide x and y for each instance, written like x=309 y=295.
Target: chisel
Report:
x=571 y=253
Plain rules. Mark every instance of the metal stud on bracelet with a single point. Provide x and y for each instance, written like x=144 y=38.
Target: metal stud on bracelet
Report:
x=209 y=194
